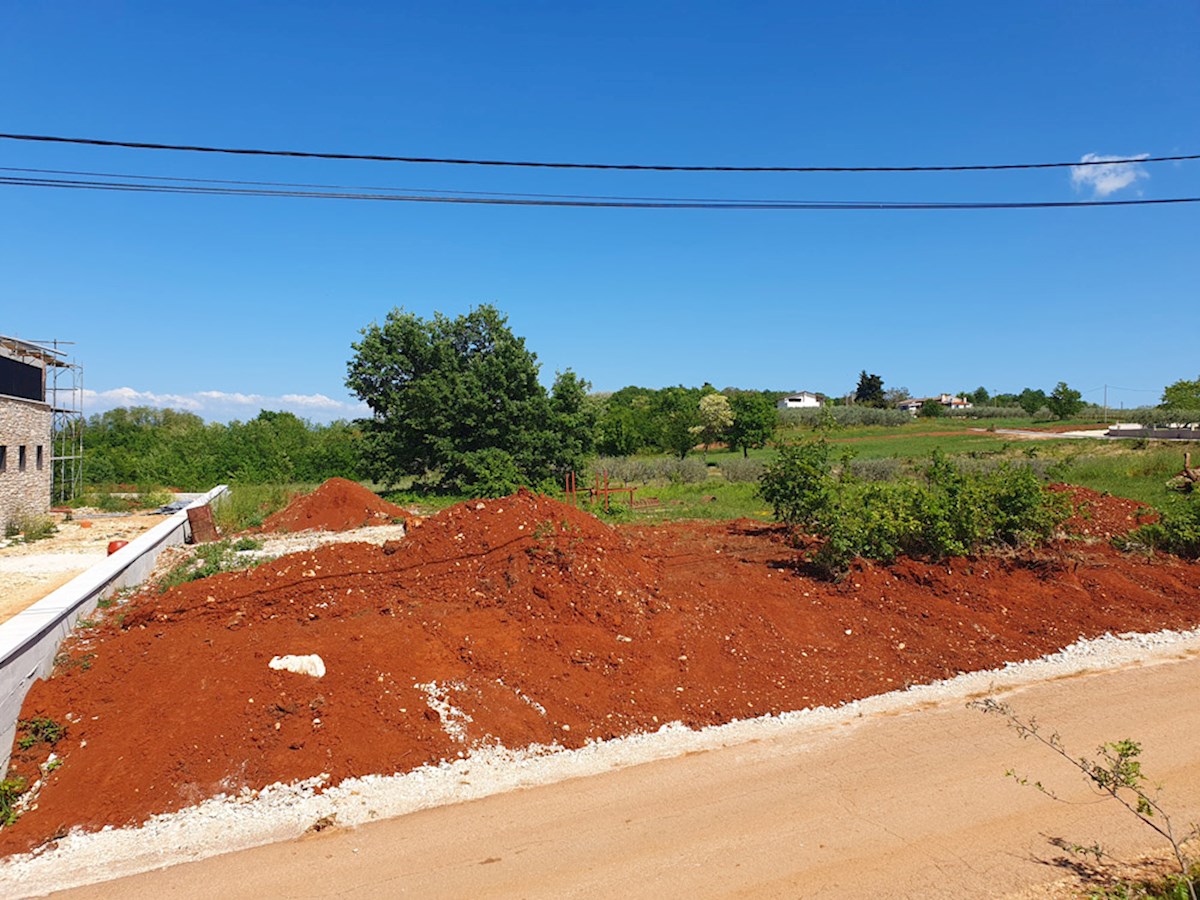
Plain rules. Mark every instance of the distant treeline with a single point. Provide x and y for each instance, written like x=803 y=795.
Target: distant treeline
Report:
x=146 y=446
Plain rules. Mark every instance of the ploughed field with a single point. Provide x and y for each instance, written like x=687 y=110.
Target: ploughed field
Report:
x=522 y=621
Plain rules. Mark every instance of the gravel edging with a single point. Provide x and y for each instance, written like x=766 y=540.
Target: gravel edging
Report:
x=282 y=812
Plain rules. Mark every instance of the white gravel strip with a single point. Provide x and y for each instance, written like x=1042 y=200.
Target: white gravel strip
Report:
x=281 y=812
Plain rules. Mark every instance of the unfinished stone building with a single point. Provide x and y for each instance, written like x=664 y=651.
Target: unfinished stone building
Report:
x=26 y=425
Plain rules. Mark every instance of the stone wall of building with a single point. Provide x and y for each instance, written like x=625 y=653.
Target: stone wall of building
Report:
x=25 y=467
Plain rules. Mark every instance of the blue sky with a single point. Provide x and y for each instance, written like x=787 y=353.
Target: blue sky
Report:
x=224 y=305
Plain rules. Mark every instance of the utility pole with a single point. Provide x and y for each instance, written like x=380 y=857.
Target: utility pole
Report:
x=1106 y=404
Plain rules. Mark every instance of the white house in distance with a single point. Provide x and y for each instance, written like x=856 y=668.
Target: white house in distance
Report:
x=913 y=404
x=800 y=400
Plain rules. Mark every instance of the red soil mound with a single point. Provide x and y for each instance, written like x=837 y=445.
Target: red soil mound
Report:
x=539 y=624
x=337 y=505
x=1102 y=516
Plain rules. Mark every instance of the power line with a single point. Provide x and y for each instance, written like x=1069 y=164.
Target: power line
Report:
x=344 y=187
x=203 y=190
x=532 y=164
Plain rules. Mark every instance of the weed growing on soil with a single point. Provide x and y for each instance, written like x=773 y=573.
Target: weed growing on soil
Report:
x=1116 y=772
x=10 y=790
x=30 y=528
x=210 y=559
x=118 y=499
x=40 y=730
x=247 y=505
x=1178 y=532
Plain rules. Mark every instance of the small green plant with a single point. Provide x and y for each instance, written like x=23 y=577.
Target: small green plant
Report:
x=10 y=790
x=1115 y=771
x=30 y=528
x=211 y=559
x=247 y=543
x=248 y=505
x=40 y=730
x=1178 y=532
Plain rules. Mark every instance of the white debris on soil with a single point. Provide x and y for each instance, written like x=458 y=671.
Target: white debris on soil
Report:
x=454 y=720
x=312 y=664
x=282 y=812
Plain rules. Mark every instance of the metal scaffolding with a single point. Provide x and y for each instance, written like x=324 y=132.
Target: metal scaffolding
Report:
x=64 y=393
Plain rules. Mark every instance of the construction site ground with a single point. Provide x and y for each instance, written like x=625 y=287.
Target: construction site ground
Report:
x=30 y=571
x=514 y=631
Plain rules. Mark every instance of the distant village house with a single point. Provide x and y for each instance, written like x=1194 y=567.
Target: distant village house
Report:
x=801 y=400
x=914 y=404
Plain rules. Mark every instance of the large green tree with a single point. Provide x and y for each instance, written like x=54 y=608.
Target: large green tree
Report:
x=870 y=390
x=1064 y=402
x=460 y=398
x=1182 y=394
x=754 y=421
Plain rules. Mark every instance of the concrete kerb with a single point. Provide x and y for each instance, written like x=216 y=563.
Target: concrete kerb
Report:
x=29 y=641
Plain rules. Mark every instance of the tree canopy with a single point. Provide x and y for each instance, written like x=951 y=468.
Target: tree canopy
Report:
x=459 y=399
x=1182 y=394
x=1064 y=402
x=870 y=390
x=754 y=421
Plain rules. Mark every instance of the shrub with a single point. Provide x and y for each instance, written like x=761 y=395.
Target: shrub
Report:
x=644 y=469
x=948 y=512
x=884 y=469
x=988 y=412
x=742 y=471
x=798 y=483
x=1043 y=415
x=1177 y=531
x=845 y=416
x=485 y=473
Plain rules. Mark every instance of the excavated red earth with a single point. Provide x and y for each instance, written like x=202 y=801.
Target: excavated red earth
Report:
x=539 y=624
x=337 y=505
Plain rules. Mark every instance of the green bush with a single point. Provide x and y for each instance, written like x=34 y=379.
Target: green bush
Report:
x=485 y=473
x=742 y=471
x=844 y=416
x=799 y=482
x=1177 y=531
x=947 y=512
x=645 y=469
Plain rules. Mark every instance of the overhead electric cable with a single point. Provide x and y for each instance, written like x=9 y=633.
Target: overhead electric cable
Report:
x=533 y=164
x=344 y=187
x=72 y=184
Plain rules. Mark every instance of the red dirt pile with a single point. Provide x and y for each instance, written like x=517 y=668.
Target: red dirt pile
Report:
x=337 y=505
x=1096 y=515
x=523 y=621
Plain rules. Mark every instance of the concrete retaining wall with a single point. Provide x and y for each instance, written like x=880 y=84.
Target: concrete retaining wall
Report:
x=29 y=641
x=1162 y=434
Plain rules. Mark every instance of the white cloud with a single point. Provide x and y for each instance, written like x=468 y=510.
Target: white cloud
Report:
x=1107 y=179
x=127 y=396
x=225 y=405
x=312 y=401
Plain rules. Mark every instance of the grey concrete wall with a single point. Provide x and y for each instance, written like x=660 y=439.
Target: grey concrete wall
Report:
x=29 y=641
x=1162 y=434
x=24 y=423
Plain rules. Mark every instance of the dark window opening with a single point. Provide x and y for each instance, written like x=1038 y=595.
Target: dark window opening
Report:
x=39 y=457
x=3 y=459
x=21 y=459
